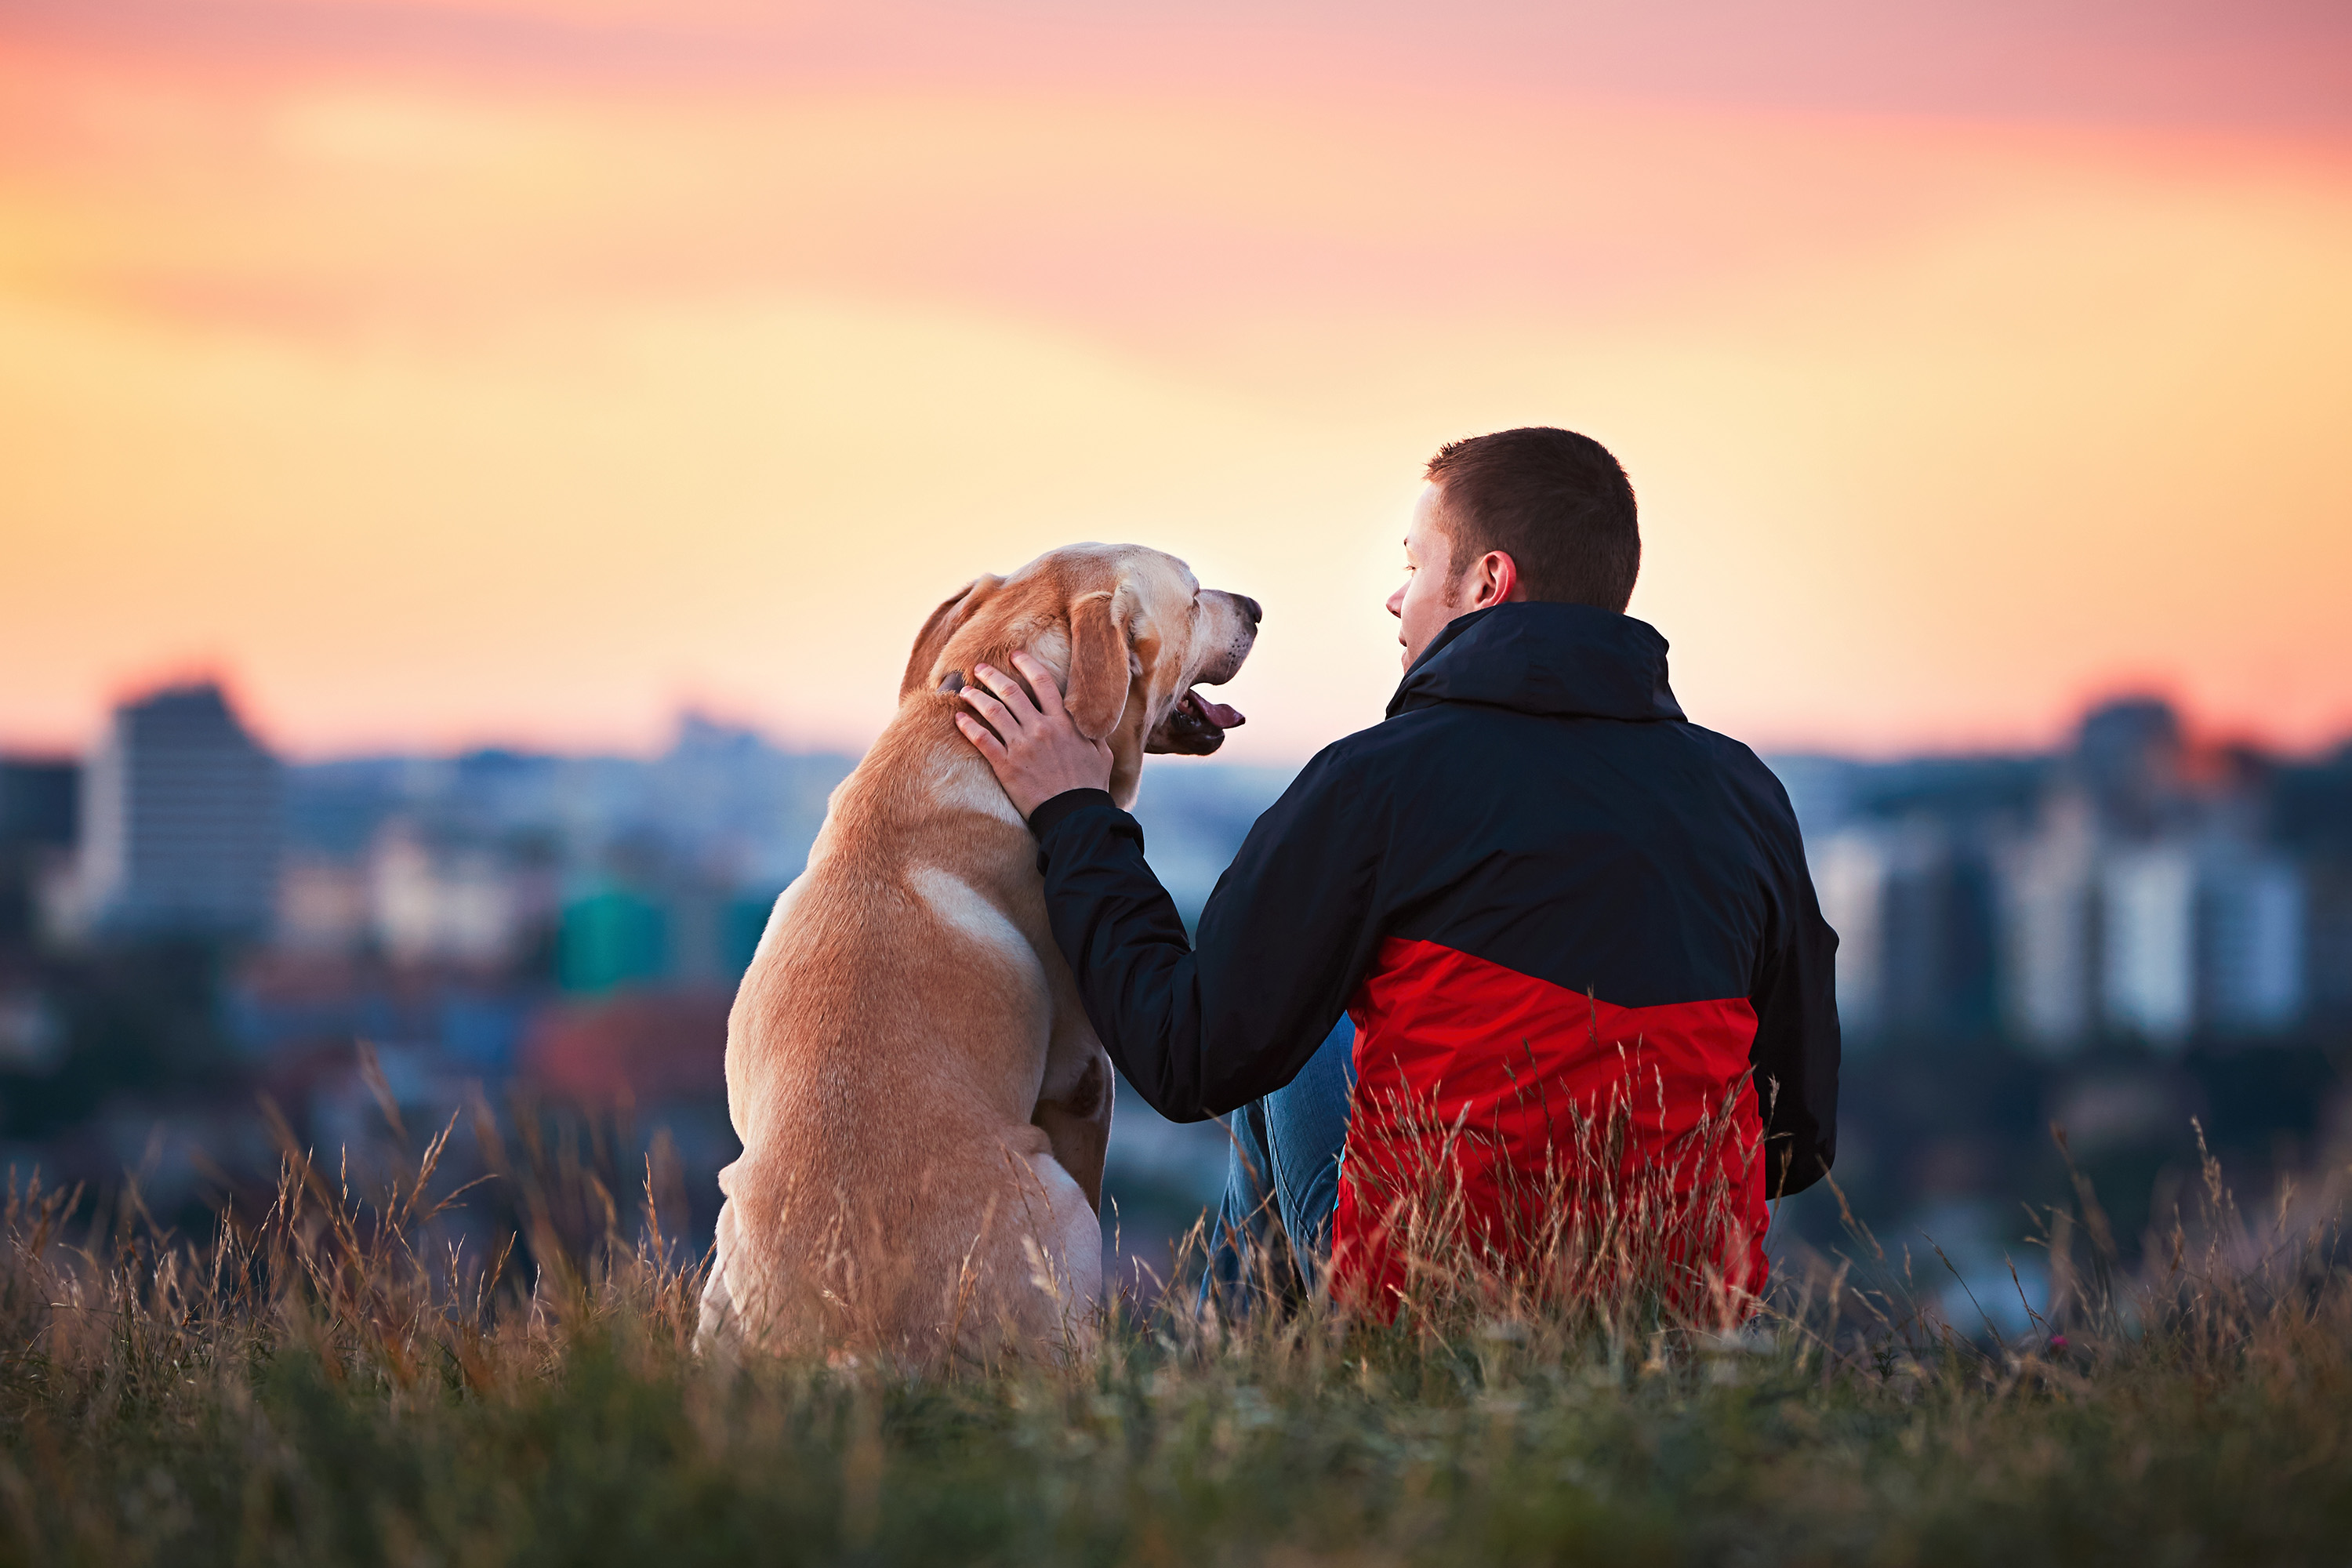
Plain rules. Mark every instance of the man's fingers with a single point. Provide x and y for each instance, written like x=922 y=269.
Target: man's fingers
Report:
x=978 y=734
x=990 y=709
x=1041 y=681
x=1008 y=689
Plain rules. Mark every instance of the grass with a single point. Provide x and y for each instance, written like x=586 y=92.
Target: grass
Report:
x=327 y=1383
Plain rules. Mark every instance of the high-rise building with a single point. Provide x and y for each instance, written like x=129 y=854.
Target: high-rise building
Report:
x=37 y=802
x=180 y=822
x=2147 y=899
x=2251 y=941
x=2049 y=915
x=36 y=833
x=1912 y=909
x=2312 y=818
x=2127 y=756
x=1850 y=875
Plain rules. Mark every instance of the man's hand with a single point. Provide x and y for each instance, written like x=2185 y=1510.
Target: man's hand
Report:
x=1036 y=751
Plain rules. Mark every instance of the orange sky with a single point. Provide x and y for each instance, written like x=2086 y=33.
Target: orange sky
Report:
x=518 y=369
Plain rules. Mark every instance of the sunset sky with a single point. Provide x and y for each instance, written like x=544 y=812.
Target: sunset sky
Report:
x=450 y=371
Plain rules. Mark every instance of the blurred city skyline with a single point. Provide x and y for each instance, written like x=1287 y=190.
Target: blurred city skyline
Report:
x=451 y=372
x=687 y=712
x=2141 y=881
x=2136 y=928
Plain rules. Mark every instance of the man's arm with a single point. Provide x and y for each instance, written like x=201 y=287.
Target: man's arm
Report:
x=1797 y=1037
x=1283 y=940
x=1290 y=927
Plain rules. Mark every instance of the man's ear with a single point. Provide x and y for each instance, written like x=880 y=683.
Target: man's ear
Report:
x=1099 y=667
x=1493 y=579
x=932 y=640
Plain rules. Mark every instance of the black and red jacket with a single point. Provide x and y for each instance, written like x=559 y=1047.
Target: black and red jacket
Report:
x=1535 y=884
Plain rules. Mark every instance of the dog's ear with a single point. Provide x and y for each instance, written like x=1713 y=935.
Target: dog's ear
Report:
x=932 y=639
x=1100 y=665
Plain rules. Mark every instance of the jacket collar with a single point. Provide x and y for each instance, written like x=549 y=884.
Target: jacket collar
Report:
x=1564 y=661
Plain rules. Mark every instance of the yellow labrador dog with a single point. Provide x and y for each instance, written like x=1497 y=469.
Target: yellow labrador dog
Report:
x=923 y=1105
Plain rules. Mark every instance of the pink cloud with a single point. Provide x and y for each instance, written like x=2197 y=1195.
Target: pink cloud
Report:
x=2277 y=64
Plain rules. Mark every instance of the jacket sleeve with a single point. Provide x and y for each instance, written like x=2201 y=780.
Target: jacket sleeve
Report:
x=1284 y=939
x=1797 y=1041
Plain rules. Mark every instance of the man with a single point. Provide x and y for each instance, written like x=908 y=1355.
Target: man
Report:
x=1574 y=932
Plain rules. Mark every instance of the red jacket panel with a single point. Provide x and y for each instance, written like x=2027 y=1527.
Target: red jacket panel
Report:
x=1553 y=1115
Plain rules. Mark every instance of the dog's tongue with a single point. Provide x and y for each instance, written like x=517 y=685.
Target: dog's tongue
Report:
x=1217 y=713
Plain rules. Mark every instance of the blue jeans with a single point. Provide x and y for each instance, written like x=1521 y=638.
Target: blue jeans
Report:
x=1282 y=1182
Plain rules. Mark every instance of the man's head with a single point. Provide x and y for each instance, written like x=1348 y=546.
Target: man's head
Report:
x=1521 y=514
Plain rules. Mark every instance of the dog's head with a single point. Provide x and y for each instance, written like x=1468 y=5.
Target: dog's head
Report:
x=1130 y=630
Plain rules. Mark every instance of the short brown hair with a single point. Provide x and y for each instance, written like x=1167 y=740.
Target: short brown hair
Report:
x=1553 y=501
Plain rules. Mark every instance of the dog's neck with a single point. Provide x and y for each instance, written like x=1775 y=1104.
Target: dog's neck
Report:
x=1052 y=650
x=1050 y=646
x=966 y=780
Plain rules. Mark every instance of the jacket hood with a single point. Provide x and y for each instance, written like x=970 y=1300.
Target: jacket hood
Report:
x=1563 y=660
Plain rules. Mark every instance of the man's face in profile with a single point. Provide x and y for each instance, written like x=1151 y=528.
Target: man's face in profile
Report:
x=1429 y=599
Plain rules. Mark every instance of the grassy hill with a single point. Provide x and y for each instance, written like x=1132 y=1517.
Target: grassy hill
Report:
x=324 y=1384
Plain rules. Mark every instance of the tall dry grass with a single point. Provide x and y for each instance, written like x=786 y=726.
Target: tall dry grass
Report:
x=334 y=1377
x=1618 y=1212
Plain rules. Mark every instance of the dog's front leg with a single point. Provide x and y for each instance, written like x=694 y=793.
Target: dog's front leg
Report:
x=1076 y=1120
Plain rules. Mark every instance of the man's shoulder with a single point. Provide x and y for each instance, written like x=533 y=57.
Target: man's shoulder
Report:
x=1345 y=763
x=1405 y=739
x=1752 y=792
x=1738 y=760
x=1359 y=769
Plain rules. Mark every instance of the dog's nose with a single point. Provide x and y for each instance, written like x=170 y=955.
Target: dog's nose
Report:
x=1250 y=608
